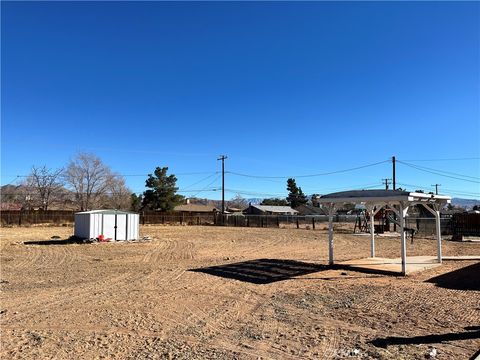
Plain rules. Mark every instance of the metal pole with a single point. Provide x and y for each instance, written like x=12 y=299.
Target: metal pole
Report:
x=372 y=232
x=403 y=249
x=331 y=210
x=394 y=187
x=439 y=235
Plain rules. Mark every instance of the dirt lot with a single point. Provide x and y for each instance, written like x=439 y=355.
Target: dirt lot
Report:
x=255 y=293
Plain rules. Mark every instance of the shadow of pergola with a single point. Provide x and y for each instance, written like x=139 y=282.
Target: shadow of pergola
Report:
x=472 y=332
x=466 y=278
x=263 y=271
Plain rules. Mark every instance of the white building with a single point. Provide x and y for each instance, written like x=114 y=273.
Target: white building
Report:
x=113 y=224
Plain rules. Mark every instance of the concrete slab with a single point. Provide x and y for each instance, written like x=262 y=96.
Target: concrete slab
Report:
x=465 y=257
x=391 y=266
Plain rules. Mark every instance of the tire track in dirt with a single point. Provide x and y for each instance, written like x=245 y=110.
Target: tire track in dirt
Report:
x=82 y=292
x=25 y=258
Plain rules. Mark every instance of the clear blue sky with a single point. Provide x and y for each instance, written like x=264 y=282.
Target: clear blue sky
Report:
x=281 y=88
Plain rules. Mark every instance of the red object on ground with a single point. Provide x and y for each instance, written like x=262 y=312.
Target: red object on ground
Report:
x=101 y=237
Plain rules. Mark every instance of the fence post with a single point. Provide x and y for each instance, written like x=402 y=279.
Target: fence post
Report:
x=313 y=223
x=298 y=226
x=278 y=221
x=248 y=221
x=266 y=221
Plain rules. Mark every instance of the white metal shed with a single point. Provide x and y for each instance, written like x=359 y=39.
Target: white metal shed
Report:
x=114 y=224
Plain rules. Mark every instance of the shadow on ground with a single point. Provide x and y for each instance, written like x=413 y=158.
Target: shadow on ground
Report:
x=266 y=271
x=262 y=271
x=473 y=332
x=71 y=240
x=466 y=278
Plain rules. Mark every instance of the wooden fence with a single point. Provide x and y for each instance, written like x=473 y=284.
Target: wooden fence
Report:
x=466 y=225
x=458 y=225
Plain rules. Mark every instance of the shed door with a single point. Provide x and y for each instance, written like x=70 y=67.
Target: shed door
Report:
x=121 y=227
x=109 y=226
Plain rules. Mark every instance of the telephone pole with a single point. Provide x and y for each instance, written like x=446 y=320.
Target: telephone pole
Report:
x=393 y=173
x=436 y=188
x=223 y=157
x=386 y=182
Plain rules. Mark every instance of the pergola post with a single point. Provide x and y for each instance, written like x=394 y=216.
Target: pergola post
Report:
x=439 y=236
x=403 y=243
x=331 y=211
x=371 y=213
x=436 y=212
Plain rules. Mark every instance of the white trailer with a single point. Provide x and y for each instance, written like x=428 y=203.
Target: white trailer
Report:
x=114 y=224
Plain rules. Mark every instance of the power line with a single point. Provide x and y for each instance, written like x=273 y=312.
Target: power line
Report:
x=447 y=159
x=449 y=191
x=444 y=171
x=207 y=186
x=309 y=175
x=441 y=173
x=199 y=181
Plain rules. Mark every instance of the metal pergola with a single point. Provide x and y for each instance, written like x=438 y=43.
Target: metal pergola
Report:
x=374 y=200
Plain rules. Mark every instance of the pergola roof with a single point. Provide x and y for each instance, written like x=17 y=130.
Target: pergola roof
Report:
x=382 y=196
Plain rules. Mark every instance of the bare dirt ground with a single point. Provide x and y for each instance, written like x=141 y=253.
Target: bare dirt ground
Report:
x=143 y=301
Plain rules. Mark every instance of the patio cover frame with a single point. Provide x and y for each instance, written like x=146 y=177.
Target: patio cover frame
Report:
x=374 y=200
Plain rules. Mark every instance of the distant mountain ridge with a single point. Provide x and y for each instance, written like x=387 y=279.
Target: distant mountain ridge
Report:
x=467 y=204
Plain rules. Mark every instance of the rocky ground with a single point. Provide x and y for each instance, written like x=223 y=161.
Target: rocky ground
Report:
x=230 y=293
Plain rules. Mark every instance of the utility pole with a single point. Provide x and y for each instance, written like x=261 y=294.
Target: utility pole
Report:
x=386 y=182
x=393 y=173
x=223 y=157
x=436 y=188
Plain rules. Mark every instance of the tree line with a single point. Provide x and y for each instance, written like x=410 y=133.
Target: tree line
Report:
x=87 y=183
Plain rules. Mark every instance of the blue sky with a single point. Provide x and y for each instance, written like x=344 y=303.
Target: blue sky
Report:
x=282 y=88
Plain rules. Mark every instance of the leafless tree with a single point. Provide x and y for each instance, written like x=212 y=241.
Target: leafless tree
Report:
x=238 y=202
x=118 y=194
x=89 y=178
x=44 y=186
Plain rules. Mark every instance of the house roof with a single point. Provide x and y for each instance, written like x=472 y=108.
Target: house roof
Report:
x=275 y=209
x=195 y=208
x=311 y=210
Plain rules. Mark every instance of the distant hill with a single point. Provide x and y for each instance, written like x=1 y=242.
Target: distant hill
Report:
x=467 y=204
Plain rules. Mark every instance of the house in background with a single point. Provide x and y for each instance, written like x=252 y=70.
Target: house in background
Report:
x=195 y=209
x=305 y=209
x=269 y=210
x=234 y=210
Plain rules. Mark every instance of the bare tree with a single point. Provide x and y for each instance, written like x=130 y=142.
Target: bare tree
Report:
x=44 y=186
x=89 y=178
x=238 y=202
x=118 y=194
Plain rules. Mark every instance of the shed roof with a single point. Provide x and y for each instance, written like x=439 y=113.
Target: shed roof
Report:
x=106 y=211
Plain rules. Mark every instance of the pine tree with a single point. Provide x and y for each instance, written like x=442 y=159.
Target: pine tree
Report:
x=162 y=193
x=295 y=196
